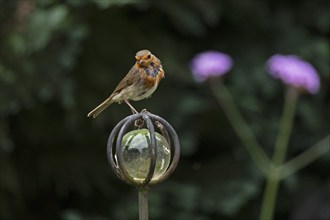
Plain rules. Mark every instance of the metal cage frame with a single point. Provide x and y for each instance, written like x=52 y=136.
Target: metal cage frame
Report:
x=114 y=148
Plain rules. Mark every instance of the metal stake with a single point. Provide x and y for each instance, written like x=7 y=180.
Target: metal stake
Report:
x=143 y=204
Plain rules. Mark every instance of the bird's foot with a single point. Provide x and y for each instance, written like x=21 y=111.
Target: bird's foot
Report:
x=139 y=123
x=144 y=111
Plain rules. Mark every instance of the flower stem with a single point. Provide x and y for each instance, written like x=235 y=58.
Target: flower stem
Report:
x=269 y=198
x=240 y=126
x=285 y=128
x=273 y=179
x=305 y=158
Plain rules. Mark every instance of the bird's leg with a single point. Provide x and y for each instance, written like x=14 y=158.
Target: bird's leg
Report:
x=139 y=122
x=132 y=108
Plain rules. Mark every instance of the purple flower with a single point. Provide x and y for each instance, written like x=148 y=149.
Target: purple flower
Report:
x=294 y=71
x=210 y=64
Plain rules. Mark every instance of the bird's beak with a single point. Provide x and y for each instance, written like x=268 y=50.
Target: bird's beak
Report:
x=140 y=61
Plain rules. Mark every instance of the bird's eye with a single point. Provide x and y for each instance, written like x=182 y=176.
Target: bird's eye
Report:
x=149 y=56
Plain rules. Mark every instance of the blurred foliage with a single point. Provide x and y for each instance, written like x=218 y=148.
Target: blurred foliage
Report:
x=60 y=58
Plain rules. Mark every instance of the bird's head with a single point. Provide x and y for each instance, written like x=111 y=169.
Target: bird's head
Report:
x=144 y=58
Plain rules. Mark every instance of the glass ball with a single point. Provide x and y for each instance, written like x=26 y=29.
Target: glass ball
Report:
x=136 y=154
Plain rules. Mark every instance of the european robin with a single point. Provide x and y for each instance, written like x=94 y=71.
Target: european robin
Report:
x=140 y=82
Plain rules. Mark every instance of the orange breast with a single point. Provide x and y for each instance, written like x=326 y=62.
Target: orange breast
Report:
x=149 y=81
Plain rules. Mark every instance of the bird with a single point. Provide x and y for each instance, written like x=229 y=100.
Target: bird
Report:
x=140 y=82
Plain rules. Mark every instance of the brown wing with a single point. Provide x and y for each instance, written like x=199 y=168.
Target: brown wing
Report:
x=132 y=77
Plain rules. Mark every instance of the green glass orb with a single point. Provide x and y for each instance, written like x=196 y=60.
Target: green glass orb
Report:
x=136 y=154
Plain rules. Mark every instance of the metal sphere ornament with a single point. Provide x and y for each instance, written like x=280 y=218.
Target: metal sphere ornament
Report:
x=143 y=149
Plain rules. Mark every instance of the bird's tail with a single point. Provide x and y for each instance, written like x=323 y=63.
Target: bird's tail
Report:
x=100 y=108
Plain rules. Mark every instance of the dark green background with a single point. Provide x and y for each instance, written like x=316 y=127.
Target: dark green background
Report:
x=59 y=59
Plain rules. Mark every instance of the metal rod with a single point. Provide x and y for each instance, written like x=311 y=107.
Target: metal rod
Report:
x=143 y=204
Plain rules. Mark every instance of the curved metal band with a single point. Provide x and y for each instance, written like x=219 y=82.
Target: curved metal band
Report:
x=176 y=147
x=110 y=150
x=153 y=149
x=119 y=152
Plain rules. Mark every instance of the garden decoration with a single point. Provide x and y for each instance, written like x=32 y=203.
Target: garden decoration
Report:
x=138 y=154
x=143 y=150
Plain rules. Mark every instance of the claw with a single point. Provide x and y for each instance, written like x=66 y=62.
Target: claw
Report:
x=144 y=111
